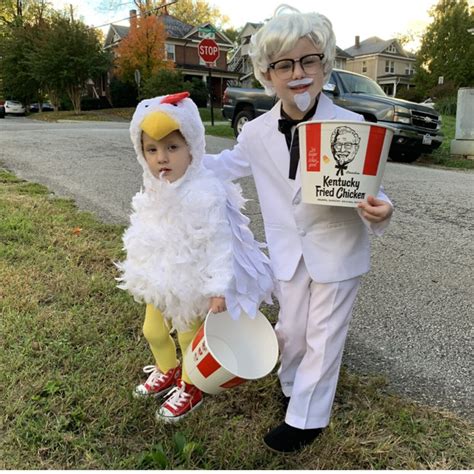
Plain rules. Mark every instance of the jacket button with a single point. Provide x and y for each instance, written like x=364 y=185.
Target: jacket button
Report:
x=302 y=233
x=297 y=201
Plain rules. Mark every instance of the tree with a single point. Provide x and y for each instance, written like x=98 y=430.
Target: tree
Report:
x=233 y=34
x=19 y=12
x=18 y=82
x=447 y=48
x=164 y=82
x=19 y=24
x=197 y=12
x=66 y=55
x=143 y=48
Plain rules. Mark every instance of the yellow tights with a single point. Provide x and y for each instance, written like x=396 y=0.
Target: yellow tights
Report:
x=162 y=345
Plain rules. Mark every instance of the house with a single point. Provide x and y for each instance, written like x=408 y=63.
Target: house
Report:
x=182 y=48
x=386 y=62
x=240 y=59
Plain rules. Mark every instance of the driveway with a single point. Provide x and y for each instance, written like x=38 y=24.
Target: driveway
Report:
x=413 y=319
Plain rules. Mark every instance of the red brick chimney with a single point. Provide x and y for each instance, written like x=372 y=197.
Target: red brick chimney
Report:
x=357 y=41
x=133 y=19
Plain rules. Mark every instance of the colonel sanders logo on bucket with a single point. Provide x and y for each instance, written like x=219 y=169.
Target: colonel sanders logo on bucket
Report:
x=344 y=147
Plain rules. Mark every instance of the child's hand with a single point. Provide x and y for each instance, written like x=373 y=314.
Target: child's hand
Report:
x=375 y=210
x=217 y=304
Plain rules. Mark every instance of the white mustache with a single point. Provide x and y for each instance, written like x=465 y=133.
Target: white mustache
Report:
x=301 y=82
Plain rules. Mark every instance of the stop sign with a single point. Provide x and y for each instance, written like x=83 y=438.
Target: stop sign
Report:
x=208 y=50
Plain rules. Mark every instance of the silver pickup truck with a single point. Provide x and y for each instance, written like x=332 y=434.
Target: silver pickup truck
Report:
x=417 y=127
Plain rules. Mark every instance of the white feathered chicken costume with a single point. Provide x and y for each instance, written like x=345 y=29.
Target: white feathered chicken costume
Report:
x=188 y=240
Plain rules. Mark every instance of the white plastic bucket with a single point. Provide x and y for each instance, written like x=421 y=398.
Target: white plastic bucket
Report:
x=341 y=163
x=226 y=352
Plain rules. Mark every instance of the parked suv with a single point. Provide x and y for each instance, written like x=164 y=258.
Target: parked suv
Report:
x=2 y=109
x=416 y=127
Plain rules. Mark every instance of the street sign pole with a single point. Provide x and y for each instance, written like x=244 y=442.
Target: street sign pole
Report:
x=208 y=51
x=210 y=94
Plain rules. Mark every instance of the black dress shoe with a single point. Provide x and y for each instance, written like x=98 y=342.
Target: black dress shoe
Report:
x=287 y=439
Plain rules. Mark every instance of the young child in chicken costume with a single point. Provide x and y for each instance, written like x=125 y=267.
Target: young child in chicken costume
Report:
x=189 y=248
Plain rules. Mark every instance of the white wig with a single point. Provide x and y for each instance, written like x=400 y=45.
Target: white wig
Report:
x=280 y=35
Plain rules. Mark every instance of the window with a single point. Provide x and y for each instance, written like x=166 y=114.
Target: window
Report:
x=390 y=66
x=364 y=66
x=409 y=71
x=170 y=52
x=359 y=84
x=392 y=49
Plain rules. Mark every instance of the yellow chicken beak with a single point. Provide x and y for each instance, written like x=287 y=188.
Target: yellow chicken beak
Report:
x=158 y=124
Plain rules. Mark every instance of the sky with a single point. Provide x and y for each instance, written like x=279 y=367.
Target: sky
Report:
x=365 y=18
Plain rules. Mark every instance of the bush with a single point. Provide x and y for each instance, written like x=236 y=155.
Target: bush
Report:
x=123 y=94
x=164 y=82
x=65 y=103
x=441 y=91
x=447 y=105
x=198 y=91
x=412 y=94
x=90 y=103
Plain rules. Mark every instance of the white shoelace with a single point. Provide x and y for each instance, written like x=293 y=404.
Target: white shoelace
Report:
x=155 y=375
x=177 y=396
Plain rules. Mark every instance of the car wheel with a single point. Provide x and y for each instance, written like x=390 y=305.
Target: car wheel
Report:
x=242 y=118
x=405 y=156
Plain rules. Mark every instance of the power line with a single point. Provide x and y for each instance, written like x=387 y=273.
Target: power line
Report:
x=153 y=10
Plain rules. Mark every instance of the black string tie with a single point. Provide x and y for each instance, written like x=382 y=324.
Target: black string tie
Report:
x=286 y=125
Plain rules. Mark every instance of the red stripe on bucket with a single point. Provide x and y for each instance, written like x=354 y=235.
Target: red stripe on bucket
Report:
x=197 y=338
x=233 y=382
x=313 y=147
x=208 y=366
x=374 y=150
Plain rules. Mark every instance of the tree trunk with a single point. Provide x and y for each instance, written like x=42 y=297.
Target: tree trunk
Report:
x=54 y=97
x=74 y=93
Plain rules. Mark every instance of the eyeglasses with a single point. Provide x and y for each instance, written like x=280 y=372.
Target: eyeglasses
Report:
x=284 y=68
x=338 y=146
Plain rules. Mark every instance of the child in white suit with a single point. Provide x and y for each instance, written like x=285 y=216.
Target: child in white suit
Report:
x=189 y=249
x=318 y=253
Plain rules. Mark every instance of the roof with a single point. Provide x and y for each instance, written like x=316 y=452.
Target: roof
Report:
x=174 y=27
x=376 y=45
x=340 y=53
x=121 y=30
x=222 y=36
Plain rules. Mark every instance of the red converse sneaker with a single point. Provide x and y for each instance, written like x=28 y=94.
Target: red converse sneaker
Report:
x=157 y=383
x=180 y=402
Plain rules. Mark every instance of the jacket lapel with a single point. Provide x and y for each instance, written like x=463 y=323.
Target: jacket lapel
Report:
x=324 y=111
x=275 y=143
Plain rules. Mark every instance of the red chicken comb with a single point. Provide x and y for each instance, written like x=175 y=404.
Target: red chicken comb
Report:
x=174 y=98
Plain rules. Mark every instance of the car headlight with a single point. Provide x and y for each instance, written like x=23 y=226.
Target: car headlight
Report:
x=402 y=115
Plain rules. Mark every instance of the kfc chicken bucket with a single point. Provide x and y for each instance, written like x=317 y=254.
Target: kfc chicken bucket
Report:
x=227 y=352
x=341 y=163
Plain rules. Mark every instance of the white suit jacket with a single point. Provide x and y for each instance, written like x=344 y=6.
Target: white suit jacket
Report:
x=333 y=241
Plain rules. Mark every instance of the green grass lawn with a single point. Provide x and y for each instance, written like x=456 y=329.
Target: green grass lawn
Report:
x=125 y=114
x=442 y=156
x=72 y=350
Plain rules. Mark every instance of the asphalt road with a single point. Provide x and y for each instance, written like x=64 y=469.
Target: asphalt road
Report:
x=413 y=319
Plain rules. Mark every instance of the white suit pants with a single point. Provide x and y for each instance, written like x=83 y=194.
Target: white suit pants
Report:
x=312 y=328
